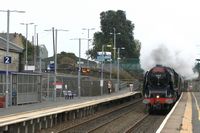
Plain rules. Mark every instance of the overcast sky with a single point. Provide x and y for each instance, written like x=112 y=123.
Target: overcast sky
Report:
x=174 y=24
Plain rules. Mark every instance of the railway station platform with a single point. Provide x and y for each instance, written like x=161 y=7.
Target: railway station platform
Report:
x=33 y=117
x=183 y=118
x=58 y=103
x=185 y=115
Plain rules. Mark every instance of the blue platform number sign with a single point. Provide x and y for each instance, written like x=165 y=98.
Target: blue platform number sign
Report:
x=7 y=59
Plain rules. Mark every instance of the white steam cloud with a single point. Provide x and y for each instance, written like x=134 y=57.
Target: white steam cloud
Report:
x=175 y=59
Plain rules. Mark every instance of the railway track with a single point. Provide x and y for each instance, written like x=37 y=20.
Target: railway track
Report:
x=100 y=120
x=127 y=118
x=132 y=127
x=115 y=118
x=100 y=123
x=148 y=124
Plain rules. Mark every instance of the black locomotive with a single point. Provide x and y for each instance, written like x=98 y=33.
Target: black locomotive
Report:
x=161 y=88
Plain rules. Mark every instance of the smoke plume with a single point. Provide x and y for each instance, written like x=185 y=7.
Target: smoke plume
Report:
x=181 y=63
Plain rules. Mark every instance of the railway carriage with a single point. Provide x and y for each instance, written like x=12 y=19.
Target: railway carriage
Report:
x=161 y=88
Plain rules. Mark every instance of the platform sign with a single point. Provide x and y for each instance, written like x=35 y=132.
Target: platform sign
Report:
x=103 y=57
x=51 y=62
x=81 y=62
x=7 y=59
x=100 y=58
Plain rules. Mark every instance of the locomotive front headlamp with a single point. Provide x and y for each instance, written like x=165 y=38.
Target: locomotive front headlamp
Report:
x=157 y=96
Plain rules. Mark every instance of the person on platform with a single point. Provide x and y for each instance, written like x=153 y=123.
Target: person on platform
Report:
x=109 y=87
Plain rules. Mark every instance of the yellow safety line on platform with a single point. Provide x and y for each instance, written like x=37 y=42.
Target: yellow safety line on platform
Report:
x=197 y=105
x=187 y=119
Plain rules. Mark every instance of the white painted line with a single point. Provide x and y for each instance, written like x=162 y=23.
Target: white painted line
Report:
x=168 y=116
x=197 y=105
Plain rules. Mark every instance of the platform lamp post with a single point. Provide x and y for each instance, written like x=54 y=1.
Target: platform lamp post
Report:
x=114 y=42
x=88 y=32
x=35 y=44
x=26 y=60
x=102 y=64
x=114 y=48
x=118 y=52
x=111 y=68
x=7 y=51
x=55 y=38
x=79 y=65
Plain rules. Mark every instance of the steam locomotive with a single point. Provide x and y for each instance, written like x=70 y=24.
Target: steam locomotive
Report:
x=161 y=88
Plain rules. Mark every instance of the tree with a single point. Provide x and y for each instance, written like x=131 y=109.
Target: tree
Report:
x=66 y=58
x=196 y=68
x=116 y=19
x=137 y=48
x=30 y=51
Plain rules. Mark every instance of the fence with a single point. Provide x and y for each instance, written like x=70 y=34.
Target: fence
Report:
x=89 y=86
x=22 y=88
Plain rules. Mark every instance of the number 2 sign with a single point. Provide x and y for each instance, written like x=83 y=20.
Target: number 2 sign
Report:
x=7 y=59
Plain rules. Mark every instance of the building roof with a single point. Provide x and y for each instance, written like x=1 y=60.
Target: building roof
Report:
x=12 y=46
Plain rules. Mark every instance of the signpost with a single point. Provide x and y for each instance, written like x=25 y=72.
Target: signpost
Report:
x=102 y=56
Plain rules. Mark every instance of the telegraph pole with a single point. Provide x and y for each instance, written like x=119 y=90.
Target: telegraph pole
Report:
x=88 y=31
x=79 y=65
